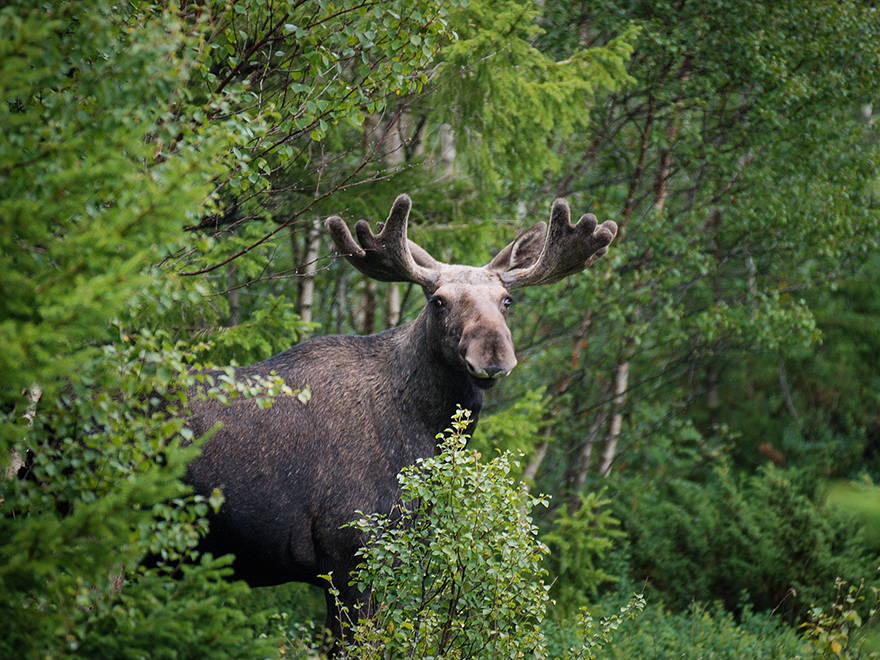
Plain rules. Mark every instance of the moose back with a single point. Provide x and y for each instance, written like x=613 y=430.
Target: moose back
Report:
x=294 y=474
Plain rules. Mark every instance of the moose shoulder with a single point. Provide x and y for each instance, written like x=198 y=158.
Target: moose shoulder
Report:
x=294 y=474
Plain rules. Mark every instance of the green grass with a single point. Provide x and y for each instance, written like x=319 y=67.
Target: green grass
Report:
x=861 y=501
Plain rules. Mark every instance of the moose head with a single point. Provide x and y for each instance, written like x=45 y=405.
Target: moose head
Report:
x=468 y=305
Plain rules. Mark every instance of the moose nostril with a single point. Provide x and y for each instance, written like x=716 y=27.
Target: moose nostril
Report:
x=494 y=372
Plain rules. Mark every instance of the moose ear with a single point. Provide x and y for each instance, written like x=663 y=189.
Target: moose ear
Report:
x=522 y=252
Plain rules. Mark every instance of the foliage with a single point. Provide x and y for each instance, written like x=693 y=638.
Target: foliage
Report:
x=704 y=631
x=741 y=163
x=86 y=205
x=579 y=543
x=296 y=616
x=456 y=571
x=272 y=328
x=517 y=428
x=98 y=179
x=710 y=630
x=735 y=146
x=309 y=66
x=100 y=490
x=716 y=535
x=830 y=413
x=339 y=98
x=494 y=64
x=593 y=642
x=305 y=76
x=720 y=162
x=840 y=633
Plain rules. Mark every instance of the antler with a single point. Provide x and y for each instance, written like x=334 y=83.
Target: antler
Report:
x=566 y=249
x=388 y=256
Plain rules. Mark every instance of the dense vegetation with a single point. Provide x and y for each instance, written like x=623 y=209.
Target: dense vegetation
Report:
x=699 y=415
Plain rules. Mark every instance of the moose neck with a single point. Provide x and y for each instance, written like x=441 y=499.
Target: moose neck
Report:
x=428 y=382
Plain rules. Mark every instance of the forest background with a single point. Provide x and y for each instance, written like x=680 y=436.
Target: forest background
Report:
x=702 y=407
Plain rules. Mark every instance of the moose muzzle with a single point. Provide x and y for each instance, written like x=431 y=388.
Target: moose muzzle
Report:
x=487 y=351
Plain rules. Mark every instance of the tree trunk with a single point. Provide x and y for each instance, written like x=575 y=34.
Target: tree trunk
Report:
x=16 y=462
x=786 y=393
x=578 y=344
x=394 y=141
x=341 y=303
x=661 y=187
x=584 y=458
x=534 y=464
x=447 y=150
x=621 y=379
x=713 y=402
x=392 y=305
x=307 y=293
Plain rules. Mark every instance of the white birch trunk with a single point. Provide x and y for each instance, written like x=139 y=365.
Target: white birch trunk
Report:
x=307 y=293
x=621 y=379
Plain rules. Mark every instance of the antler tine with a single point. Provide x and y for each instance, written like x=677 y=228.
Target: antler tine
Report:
x=567 y=249
x=388 y=255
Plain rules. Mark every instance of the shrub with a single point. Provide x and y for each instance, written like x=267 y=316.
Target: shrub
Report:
x=99 y=490
x=841 y=631
x=706 y=631
x=456 y=569
x=580 y=543
x=721 y=535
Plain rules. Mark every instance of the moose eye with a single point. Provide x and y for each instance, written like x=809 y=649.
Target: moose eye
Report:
x=437 y=302
x=507 y=302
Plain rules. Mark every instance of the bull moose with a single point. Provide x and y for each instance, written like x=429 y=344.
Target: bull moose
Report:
x=294 y=474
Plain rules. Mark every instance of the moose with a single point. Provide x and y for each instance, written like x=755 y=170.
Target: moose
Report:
x=294 y=474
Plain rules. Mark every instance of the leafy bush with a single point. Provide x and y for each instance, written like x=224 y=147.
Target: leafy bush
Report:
x=706 y=631
x=579 y=544
x=841 y=631
x=98 y=177
x=456 y=570
x=719 y=535
x=99 y=489
x=590 y=641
